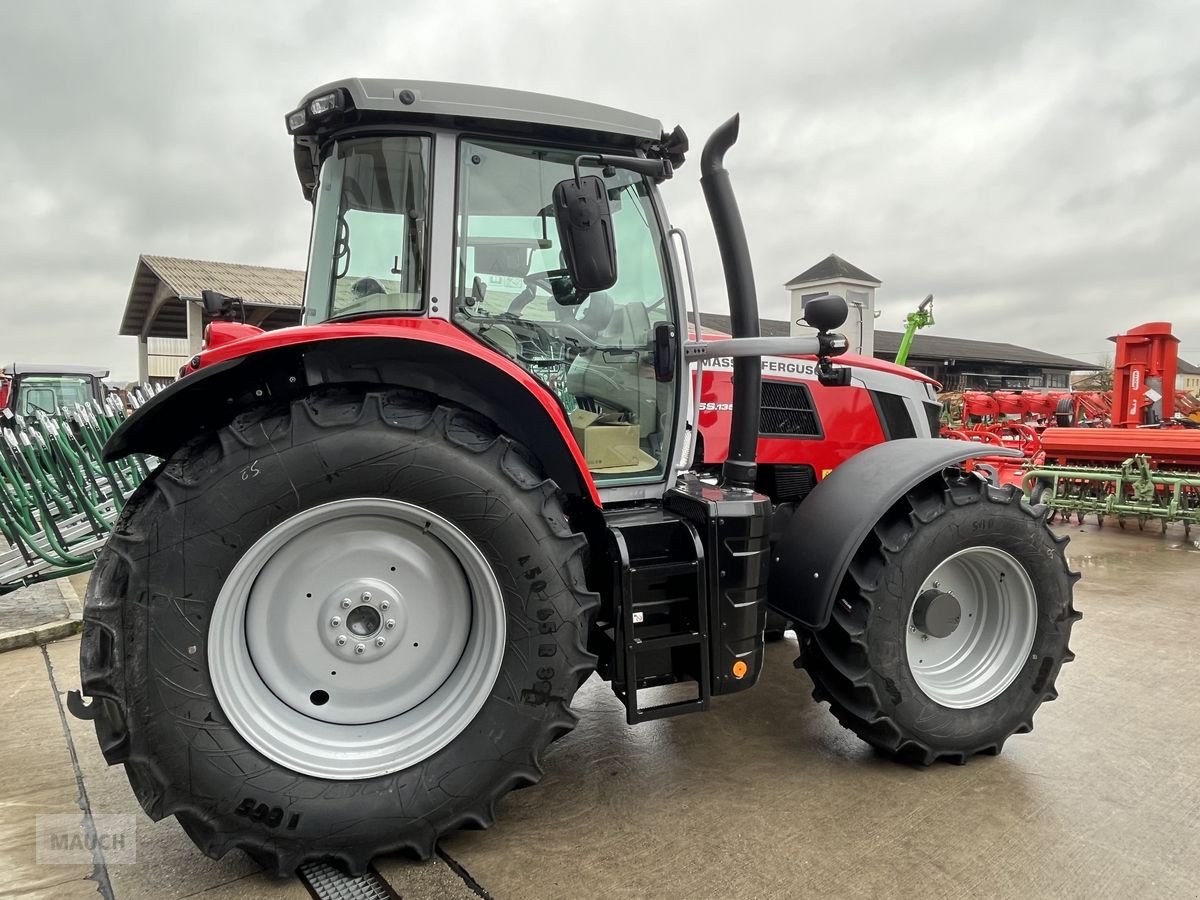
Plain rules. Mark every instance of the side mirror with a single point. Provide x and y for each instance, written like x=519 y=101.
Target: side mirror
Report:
x=221 y=306
x=826 y=313
x=585 y=231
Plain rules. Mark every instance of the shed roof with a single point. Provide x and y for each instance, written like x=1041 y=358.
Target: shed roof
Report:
x=185 y=279
x=929 y=346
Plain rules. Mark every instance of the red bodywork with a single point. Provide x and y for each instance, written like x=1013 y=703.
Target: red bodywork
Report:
x=849 y=420
x=218 y=333
x=432 y=331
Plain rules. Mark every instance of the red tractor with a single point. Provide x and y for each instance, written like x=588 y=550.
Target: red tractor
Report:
x=350 y=609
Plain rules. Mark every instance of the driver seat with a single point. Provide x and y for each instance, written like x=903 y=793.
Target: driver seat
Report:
x=596 y=317
x=619 y=376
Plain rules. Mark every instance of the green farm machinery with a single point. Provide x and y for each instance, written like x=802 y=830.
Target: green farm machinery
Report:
x=1131 y=491
x=58 y=497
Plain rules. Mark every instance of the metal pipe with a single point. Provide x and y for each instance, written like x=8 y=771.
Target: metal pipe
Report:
x=739 y=469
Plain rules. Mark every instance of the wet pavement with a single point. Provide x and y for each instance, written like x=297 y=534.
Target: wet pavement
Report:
x=764 y=796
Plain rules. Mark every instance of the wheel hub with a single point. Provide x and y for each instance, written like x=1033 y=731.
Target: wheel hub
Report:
x=363 y=619
x=936 y=613
x=971 y=628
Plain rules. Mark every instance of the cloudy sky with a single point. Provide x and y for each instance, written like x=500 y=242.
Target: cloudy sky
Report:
x=1034 y=165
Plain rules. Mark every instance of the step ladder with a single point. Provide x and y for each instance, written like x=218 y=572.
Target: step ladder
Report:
x=661 y=634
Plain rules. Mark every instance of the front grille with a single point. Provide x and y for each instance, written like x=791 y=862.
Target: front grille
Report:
x=893 y=416
x=783 y=483
x=787 y=410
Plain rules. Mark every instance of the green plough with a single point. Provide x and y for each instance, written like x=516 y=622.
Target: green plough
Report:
x=1135 y=491
x=58 y=498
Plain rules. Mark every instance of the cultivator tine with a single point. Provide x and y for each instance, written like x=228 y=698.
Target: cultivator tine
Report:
x=58 y=498
x=1134 y=490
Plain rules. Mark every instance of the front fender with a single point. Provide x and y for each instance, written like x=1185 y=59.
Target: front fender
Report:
x=809 y=562
x=432 y=356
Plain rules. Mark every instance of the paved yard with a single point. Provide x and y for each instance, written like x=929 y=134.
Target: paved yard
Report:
x=765 y=796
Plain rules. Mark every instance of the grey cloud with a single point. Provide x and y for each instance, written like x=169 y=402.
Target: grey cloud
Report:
x=1034 y=165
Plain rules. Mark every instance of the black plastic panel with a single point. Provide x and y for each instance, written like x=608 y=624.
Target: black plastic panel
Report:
x=933 y=412
x=893 y=416
x=736 y=528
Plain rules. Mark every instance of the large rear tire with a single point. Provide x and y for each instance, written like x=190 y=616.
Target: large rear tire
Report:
x=951 y=625
x=337 y=628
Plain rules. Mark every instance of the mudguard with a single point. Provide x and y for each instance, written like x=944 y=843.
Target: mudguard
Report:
x=432 y=356
x=810 y=560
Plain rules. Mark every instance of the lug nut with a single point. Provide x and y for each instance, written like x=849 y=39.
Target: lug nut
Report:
x=341 y=640
x=346 y=603
x=366 y=595
x=360 y=648
x=335 y=621
x=384 y=604
x=380 y=641
x=390 y=623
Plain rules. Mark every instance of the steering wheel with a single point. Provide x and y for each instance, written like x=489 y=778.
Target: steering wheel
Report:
x=533 y=281
x=542 y=279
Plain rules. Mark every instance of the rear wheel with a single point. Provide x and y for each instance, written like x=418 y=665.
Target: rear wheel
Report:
x=951 y=625
x=337 y=629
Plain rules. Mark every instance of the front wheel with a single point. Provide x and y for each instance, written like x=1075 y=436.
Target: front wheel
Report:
x=951 y=624
x=337 y=628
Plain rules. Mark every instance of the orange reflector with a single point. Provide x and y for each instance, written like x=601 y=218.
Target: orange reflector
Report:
x=739 y=669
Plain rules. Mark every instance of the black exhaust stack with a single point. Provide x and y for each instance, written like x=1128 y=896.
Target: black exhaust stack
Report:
x=739 y=469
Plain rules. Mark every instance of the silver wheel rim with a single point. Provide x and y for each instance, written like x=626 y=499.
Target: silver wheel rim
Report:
x=993 y=639
x=356 y=638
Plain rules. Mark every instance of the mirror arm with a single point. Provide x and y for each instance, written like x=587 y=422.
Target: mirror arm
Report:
x=658 y=169
x=823 y=345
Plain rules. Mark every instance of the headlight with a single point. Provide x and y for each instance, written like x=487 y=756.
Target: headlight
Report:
x=317 y=110
x=319 y=107
x=296 y=120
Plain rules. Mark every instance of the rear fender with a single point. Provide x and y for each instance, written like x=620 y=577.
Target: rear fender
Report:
x=470 y=375
x=810 y=560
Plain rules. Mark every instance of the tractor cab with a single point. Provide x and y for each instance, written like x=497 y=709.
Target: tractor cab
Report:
x=31 y=389
x=448 y=212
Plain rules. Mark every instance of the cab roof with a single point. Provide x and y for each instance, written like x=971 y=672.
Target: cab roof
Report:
x=468 y=106
x=19 y=368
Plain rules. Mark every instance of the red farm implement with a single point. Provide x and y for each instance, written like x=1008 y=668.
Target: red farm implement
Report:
x=1132 y=453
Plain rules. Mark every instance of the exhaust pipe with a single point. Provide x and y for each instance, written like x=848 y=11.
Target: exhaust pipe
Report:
x=739 y=469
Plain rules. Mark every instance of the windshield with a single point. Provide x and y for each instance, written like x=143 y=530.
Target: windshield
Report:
x=51 y=394
x=372 y=201
x=513 y=291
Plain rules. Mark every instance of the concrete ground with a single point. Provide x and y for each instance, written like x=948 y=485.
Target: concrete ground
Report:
x=41 y=612
x=764 y=796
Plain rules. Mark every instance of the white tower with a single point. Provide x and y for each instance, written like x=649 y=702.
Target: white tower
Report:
x=833 y=275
